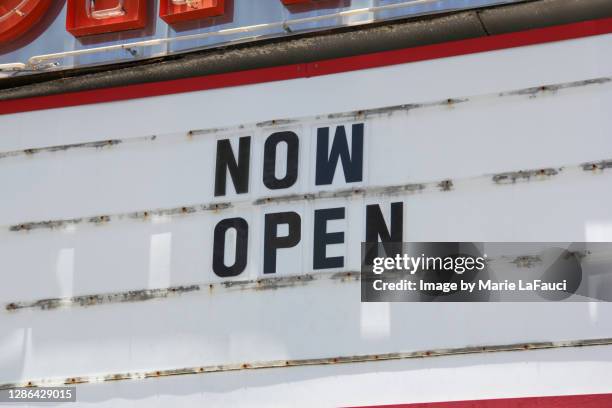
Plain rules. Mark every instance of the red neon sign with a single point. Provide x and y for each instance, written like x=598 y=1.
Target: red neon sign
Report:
x=18 y=16
x=290 y=2
x=86 y=17
x=174 y=11
x=90 y=17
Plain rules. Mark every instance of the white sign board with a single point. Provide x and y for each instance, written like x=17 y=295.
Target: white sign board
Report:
x=129 y=196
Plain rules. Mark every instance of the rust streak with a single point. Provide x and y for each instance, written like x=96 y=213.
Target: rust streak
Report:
x=352 y=115
x=524 y=175
x=104 y=219
x=420 y=354
x=260 y=284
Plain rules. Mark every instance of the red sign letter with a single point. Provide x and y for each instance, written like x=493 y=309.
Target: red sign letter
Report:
x=18 y=16
x=174 y=11
x=290 y=2
x=87 y=17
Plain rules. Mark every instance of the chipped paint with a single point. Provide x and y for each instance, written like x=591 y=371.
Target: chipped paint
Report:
x=445 y=185
x=524 y=175
x=389 y=110
x=353 y=359
x=260 y=284
x=527 y=261
x=105 y=219
x=90 y=300
x=345 y=193
x=271 y=283
x=553 y=88
x=62 y=148
x=276 y=122
x=600 y=165
x=451 y=102
x=202 y=132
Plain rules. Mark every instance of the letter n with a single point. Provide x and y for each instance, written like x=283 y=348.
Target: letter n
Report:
x=239 y=170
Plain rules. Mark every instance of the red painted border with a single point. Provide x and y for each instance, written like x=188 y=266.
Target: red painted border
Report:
x=570 y=401
x=380 y=59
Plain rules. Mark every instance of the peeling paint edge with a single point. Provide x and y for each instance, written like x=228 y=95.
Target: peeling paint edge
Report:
x=531 y=92
x=270 y=283
x=206 y=369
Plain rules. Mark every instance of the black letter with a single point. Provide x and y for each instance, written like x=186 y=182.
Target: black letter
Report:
x=239 y=171
x=272 y=242
x=242 y=240
x=376 y=228
x=322 y=238
x=293 y=143
x=351 y=164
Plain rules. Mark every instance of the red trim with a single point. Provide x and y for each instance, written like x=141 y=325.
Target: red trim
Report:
x=571 y=401
x=380 y=59
x=464 y=47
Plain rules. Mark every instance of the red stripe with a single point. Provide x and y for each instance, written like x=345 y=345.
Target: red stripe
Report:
x=464 y=47
x=381 y=59
x=572 y=401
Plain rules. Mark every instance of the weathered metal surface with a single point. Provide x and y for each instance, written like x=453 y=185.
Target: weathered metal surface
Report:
x=84 y=379
x=384 y=191
x=512 y=177
x=261 y=284
x=355 y=115
x=104 y=219
x=106 y=146
x=163 y=293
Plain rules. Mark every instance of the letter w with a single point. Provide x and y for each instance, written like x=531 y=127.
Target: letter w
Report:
x=352 y=163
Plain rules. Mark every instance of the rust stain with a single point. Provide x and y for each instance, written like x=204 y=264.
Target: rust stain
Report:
x=272 y=283
x=526 y=261
x=600 y=165
x=104 y=219
x=53 y=224
x=355 y=115
x=389 y=110
x=524 y=175
x=445 y=185
x=276 y=122
x=410 y=188
x=98 y=299
x=62 y=148
x=259 y=284
x=352 y=359
x=553 y=88
x=202 y=132
x=345 y=193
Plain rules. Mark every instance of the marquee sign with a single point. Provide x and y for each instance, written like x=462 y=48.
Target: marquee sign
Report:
x=178 y=247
